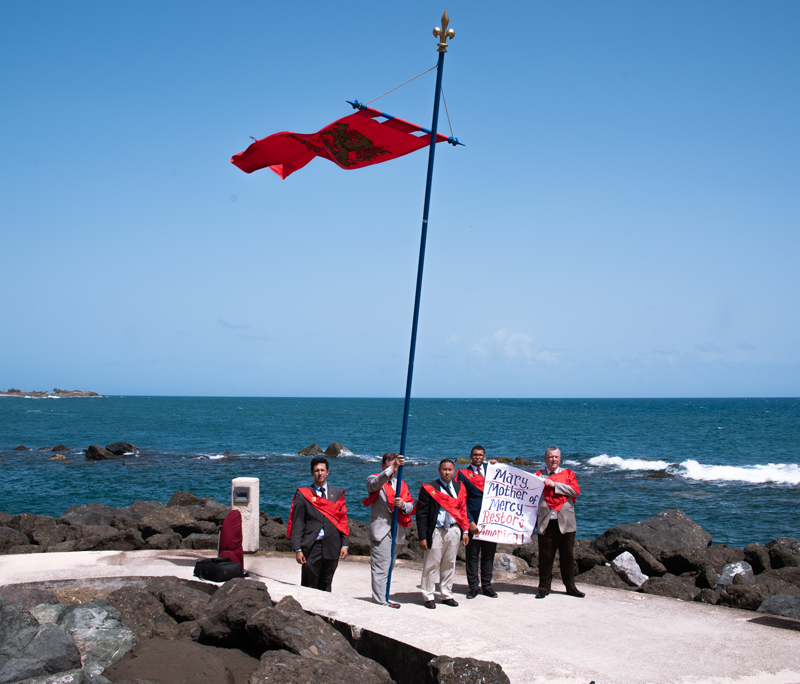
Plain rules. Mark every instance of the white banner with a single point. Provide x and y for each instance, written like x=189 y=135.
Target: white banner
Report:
x=510 y=500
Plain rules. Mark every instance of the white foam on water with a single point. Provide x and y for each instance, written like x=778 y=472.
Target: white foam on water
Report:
x=779 y=473
x=572 y=463
x=627 y=463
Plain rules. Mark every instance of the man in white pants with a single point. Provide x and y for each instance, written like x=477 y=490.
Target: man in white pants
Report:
x=441 y=523
x=382 y=500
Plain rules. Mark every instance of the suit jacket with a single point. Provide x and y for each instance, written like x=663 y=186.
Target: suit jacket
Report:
x=428 y=510
x=380 y=517
x=307 y=521
x=566 y=514
x=474 y=496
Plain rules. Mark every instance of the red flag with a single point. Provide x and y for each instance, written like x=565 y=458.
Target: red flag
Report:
x=352 y=142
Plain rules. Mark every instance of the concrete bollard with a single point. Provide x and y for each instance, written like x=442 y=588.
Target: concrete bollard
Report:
x=244 y=498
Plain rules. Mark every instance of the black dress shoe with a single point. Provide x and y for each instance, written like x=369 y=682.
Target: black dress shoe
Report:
x=541 y=593
x=393 y=605
x=450 y=602
x=491 y=593
x=575 y=592
x=472 y=593
x=429 y=604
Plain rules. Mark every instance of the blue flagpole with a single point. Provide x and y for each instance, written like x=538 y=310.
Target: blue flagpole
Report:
x=443 y=34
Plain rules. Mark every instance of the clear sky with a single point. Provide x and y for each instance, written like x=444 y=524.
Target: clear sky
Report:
x=623 y=221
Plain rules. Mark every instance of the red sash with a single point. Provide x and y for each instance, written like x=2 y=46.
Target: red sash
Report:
x=335 y=511
x=403 y=519
x=474 y=478
x=556 y=501
x=455 y=507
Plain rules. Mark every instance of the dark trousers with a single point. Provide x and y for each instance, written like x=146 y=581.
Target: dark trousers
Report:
x=551 y=541
x=485 y=550
x=317 y=572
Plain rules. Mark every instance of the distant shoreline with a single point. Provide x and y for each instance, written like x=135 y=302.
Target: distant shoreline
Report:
x=55 y=394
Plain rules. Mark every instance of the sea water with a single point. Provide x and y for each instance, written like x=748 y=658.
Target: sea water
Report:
x=735 y=463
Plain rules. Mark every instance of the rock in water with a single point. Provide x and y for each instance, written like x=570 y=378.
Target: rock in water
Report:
x=446 y=670
x=519 y=461
x=335 y=450
x=783 y=605
x=670 y=529
x=97 y=453
x=628 y=569
x=60 y=447
x=22 y=447
x=730 y=571
x=505 y=562
x=122 y=448
x=312 y=450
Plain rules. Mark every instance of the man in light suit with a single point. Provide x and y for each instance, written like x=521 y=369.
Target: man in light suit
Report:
x=556 y=524
x=380 y=524
x=318 y=543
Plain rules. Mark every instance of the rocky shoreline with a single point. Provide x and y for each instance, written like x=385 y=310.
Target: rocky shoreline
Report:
x=55 y=394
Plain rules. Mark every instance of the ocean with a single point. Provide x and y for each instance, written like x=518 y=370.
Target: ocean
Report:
x=735 y=462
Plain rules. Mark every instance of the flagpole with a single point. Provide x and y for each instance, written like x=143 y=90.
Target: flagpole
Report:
x=443 y=34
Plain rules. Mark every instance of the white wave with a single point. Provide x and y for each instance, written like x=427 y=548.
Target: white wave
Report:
x=627 y=463
x=572 y=463
x=781 y=473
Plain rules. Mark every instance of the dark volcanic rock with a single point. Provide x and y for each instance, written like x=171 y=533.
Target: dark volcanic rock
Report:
x=182 y=662
x=783 y=605
x=790 y=575
x=758 y=557
x=648 y=563
x=528 y=552
x=749 y=595
x=586 y=557
x=312 y=450
x=201 y=541
x=170 y=519
x=10 y=539
x=103 y=538
x=335 y=450
x=60 y=447
x=602 y=576
x=143 y=508
x=669 y=530
x=97 y=453
x=671 y=586
x=707 y=596
x=143 y=613
x=229 y=609
x=359 y=538
x=185 y=499
x=164 y=542
x=98 y=514
x=519 y=461
x=121 y=448
x=28 y=597
x=182 y=602
x=283 y=666
x=21 y=447
x=784 y=552
x=446 y=670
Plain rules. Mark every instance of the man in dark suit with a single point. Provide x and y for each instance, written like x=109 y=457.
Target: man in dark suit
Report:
x=441 y=524
x=318 y=528
x=472 y=477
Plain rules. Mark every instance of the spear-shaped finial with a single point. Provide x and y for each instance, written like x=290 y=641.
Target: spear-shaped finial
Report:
x=444 y=32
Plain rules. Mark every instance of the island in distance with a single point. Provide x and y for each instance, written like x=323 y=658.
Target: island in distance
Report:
x=55 y=394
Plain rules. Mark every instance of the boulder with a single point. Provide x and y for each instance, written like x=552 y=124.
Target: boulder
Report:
x=97 y=453
x=669 y=530
x=790 y=575
x=96 y=627
x=170 y=519
x=505 y=562
x=182 y=602
x=758 y=557
x=335 y=450
x=185 y=499
x=182 y=662
x=60 y=447
x=647 y=562
x=707 y=596
x=21 y=447
x=68 y=677
x=528 y=552
x=201 y=542
x=121 y=448
x=784 y=552
x=462 y=461
x=586 y=557
x=58 y=457
x=164 y=542
x=447 y=670
x=720 y=555
x=212 y=511
x=359 y=538
x=283 y=666
x=602 y=576
x=628 y=569
x=229 y=609
x=707 y=577
x=142 y=508
x=671 y=586
x=750 y=594
x=98 y=514
x=519 y=461
x=28 y=649
x=103 y=538
x=312 y=450
x=503 y=459
x=143 y=613
x=28 y=522
x=27 y=597
x=783 y=605
x=730 y=571
x=10 y=539
x=47 y=612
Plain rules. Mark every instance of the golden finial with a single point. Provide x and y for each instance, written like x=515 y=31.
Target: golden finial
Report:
x=444 y=32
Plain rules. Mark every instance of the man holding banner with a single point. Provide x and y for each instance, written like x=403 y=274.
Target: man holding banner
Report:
x=318 y=528
x=473 y=478
x=441 y=523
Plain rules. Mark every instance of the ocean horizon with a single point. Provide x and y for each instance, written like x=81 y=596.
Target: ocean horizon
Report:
x=732 y=464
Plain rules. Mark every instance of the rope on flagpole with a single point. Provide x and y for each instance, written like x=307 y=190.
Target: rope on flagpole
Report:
x=452 y=135
x=402 y=84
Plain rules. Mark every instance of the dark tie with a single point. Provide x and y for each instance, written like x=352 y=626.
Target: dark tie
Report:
x=322 y=492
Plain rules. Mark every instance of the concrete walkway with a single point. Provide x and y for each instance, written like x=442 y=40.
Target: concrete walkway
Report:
x=610 y=636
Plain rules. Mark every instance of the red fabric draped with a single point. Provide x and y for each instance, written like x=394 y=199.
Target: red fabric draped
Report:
x=556 y=501
x=335 y=511
x=475 y=478
x=403 y=519
x=351 y=142
x=455 y=507
x=230 y=538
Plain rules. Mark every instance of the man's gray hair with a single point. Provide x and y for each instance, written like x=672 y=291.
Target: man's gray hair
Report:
x=551 y=448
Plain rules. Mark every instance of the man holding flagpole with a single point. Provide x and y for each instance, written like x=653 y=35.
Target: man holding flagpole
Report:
x=318 y=528
x=441 y=523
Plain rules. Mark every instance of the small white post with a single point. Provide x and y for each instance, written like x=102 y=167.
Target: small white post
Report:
x=244 y=498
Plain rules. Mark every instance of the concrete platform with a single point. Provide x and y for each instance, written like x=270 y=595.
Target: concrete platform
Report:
x=609 y=637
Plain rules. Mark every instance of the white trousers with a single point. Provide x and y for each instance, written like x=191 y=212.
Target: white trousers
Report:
x=439 y=564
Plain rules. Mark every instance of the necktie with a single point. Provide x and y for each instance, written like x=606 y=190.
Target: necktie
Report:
x=322 y=492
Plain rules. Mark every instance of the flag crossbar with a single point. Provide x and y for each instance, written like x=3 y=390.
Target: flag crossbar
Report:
x=355 y=104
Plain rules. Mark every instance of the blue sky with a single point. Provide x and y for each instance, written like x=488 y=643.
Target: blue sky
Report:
x=623 y=221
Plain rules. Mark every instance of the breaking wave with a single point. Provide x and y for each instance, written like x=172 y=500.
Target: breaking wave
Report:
x=627 y=463
x=779 y=473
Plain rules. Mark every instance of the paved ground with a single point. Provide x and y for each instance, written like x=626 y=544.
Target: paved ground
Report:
x=610 y=636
